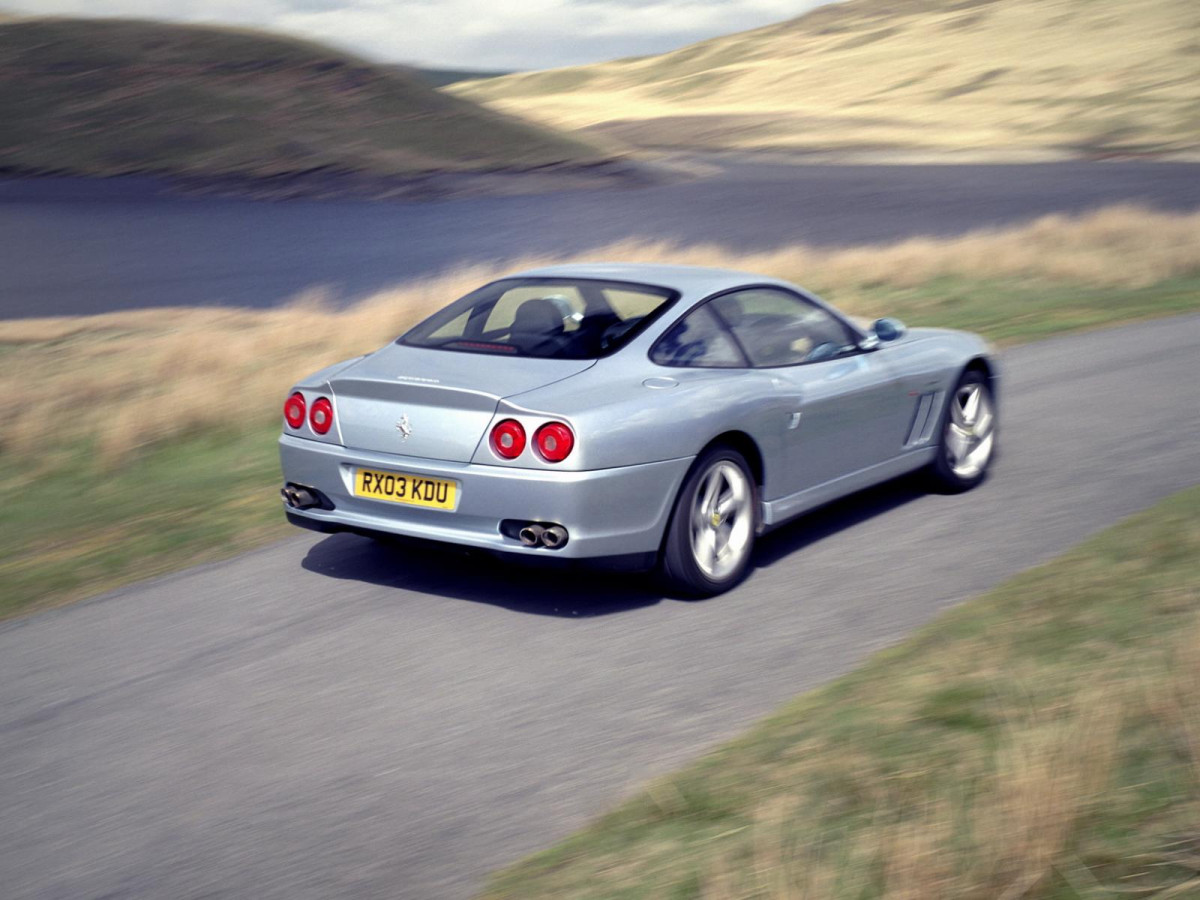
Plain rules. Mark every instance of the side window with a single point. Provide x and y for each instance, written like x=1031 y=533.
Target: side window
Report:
x=698 y=340
x=778 y=328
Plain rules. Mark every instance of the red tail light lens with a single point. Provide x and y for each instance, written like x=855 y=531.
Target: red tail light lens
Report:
x=508 y=438
x=293 y=410
x=554 y=441
x=321 y=417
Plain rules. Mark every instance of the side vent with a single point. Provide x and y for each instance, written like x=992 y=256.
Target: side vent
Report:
x=925 y=419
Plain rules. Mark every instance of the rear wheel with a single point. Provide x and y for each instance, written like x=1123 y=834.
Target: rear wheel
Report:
x=711 y=536
x=968 y=439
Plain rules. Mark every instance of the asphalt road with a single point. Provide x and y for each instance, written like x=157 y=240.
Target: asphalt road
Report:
x=324 y=718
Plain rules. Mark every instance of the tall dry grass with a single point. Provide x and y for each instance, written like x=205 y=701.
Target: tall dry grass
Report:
x=1014 y=829
x=1181 y=708
x=1049 y=770
x=126 y=380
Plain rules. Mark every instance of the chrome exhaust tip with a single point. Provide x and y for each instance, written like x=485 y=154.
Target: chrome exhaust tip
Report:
x=531 y=535
x=554 y=537
x=304 y=498
x=299 y=497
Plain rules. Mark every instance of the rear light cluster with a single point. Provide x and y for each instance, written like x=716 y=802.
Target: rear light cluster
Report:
x=553 y=442
x=320 y=417
x=294 y=410
x=508 y=439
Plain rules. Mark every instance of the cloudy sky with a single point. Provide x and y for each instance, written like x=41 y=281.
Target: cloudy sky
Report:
x=478 y=34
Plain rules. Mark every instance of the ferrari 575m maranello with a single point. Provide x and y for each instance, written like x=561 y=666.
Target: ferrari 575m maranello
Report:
x=657 y=416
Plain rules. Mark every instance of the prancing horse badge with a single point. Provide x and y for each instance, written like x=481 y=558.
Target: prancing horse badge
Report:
x=404 y=428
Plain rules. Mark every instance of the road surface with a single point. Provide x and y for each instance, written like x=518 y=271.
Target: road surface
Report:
x=327 y=718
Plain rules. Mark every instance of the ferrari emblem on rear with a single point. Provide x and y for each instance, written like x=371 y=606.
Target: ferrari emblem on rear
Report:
x=404 y=428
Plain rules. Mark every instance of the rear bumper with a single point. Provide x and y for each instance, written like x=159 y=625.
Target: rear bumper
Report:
x=607 y=512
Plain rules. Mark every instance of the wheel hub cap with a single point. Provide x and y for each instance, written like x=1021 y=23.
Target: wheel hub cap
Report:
x=970 y=431
x=722 y=520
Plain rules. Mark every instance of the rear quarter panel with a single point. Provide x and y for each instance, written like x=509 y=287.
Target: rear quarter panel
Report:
x=620 y=418
x=629 y=414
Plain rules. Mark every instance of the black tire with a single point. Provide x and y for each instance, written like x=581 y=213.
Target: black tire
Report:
x=966 y=441
x=685 y=565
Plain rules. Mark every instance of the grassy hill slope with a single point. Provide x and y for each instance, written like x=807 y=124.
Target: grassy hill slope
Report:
x=443 y=77
x=108 y=96
x=1090 y=76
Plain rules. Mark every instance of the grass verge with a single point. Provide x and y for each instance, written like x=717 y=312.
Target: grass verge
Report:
x=77 y=528
x=1040 y=741
x=139 y=442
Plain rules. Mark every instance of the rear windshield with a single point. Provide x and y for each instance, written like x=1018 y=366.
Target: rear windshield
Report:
x=544 y=317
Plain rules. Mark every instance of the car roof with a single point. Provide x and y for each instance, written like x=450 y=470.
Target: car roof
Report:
x=692 y=282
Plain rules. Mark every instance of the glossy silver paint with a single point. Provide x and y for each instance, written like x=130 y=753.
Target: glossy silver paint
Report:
x=819 y=429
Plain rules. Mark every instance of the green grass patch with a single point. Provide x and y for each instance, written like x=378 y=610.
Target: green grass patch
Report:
x=76 y=528
x=1042 y=740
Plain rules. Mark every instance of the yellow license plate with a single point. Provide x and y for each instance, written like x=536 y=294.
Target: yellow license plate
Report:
x=401 y=487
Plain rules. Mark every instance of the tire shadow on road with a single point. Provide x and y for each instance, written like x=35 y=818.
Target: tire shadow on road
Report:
x=841 y=515
x=577 y=591
x=460 y=574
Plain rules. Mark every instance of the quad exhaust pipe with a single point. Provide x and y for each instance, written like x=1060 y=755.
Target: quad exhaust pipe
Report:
x=531 y=535
x=549 y=536
x=554 y=537
x=298 y=497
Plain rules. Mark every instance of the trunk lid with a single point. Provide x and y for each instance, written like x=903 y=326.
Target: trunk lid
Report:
x=433 y=404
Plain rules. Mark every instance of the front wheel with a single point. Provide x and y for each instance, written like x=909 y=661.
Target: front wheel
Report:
x=711 y=535
x=968 y=439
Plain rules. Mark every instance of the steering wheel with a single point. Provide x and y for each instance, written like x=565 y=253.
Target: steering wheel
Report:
x=824 y=350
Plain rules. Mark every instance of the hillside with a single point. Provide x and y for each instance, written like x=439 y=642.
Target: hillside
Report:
x=106 y=96
x=1082 y=76
x=443 y=77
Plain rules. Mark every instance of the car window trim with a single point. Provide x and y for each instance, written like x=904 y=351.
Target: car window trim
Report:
x=671 y=297
x=721 y=324
x=816 y=301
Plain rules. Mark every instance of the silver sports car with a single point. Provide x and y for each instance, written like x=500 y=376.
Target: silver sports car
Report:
x=651 y=415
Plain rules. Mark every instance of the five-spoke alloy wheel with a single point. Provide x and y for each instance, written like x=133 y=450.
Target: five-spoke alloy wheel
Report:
x=968 y=439
x=711 y=536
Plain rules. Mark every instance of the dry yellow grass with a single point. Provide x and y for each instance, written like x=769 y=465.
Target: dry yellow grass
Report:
x=1049 y=770
x=1181 y=710
x=1033 y=75
x=126 y=380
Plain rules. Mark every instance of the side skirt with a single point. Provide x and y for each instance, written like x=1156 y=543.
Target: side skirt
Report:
x=776 y=512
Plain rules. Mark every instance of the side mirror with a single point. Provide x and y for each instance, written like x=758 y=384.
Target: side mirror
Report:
x=888 y=329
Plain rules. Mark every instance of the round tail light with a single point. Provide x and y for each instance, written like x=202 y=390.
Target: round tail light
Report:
x=321 y=417
x=293 y=410
x=554 y=441
x=508 y=439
